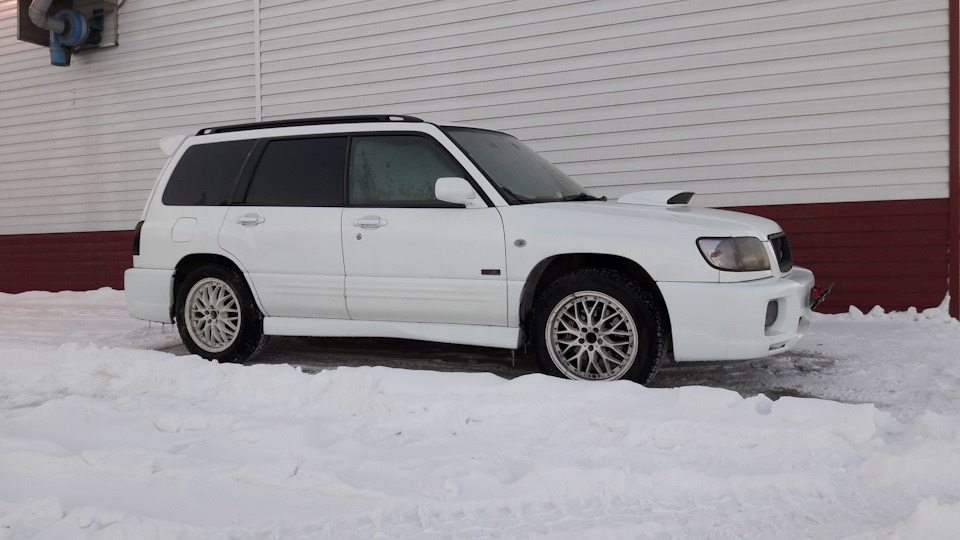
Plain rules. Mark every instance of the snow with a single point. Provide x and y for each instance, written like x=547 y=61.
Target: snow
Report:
x=104 y=435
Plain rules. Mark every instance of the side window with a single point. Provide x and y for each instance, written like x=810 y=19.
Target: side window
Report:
x=398 y=170
x=299 y=172
x=207 y=174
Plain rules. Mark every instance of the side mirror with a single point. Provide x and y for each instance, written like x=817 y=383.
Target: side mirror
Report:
x=458 y=191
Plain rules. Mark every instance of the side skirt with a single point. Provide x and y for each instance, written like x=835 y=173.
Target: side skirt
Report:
x=461 y=334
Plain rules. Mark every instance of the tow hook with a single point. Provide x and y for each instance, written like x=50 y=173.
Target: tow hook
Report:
x=818 y=294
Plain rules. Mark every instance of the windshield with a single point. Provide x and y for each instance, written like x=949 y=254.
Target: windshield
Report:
x=521 y=175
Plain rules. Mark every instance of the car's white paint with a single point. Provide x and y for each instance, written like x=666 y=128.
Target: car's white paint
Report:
x=458 y=191
x=291 y=256
x=149 y=294
x=425 y=265
x=418 y=274
x=662 y=240
x=726 y=321
x=158 y=249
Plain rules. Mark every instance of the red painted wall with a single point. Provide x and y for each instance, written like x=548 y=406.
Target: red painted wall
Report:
x=954 y=170
x=888 y=253
x=64 y=261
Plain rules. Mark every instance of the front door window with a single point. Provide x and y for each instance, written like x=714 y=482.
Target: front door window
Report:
x=398 y=170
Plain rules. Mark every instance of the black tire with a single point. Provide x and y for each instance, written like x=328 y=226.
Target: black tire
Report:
x=216 y=315
x=625 y=339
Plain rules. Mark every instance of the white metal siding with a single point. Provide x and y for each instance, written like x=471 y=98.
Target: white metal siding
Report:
x=747 y=102
x=78 y=145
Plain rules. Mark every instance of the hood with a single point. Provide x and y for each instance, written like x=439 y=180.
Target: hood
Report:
x=698 y=221
x=675 y=200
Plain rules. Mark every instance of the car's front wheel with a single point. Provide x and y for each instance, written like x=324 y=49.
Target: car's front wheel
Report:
x=598 y=325
x=216 y=315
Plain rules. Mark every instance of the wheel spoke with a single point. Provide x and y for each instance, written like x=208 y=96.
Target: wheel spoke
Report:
x=618 y=333
x=618 y=352
x=591 y=311
x=607 y=369
x=591 y=363
x=578 y=315
x=215 y=337
x=604 y=320
x=581 y=357
x=230 y=325
x=608 y=358
x=575 y=329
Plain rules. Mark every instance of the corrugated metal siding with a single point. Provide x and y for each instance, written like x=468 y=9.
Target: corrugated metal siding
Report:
x=743 y=101
x=78 y=145
x=747 y=102
x=892 y=253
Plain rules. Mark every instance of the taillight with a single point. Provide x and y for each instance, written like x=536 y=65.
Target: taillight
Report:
x=136 y=238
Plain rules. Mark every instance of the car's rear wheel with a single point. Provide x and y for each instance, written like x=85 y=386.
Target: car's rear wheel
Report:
x=598 y=325
x=217 y=317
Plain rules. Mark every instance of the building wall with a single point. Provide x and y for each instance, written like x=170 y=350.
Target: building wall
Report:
x=881 y=252
x=744 y=102
x=750 y=103
x=78 y=145
x=64 y=261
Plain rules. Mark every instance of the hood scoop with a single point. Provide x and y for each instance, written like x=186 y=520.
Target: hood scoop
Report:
x=657 y=197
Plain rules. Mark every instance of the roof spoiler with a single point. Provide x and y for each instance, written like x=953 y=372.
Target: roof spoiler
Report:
x=169 y=145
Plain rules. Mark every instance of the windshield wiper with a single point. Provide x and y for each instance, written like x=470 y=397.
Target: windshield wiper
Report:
x=513 y=195
x=583 y=197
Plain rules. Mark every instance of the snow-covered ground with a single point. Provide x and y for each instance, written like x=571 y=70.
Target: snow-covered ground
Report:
x=102 y=435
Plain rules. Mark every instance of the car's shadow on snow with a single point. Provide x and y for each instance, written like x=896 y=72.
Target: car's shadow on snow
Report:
x=772 y=376
x=312 y=355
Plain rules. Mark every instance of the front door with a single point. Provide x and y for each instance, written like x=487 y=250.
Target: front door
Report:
x=408 y=256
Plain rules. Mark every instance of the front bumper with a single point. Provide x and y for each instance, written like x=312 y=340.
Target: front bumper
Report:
x=728 y=321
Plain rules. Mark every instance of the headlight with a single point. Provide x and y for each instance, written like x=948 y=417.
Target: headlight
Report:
x=741 y=254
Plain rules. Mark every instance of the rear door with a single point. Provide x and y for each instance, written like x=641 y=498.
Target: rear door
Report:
x=286 y=230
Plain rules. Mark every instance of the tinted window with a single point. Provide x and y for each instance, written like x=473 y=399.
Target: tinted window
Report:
x=207 y=174
x=300 y=172
x=398 y=170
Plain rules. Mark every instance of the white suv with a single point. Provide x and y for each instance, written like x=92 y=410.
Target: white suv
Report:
x=389 y=226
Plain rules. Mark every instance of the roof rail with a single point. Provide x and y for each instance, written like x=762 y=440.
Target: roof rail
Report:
x=309 y=122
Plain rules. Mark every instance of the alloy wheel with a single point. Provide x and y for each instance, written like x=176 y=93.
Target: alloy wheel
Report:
x=591 y=336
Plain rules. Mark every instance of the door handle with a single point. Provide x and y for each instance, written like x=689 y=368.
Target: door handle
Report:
x=370 y=222
x=250 y=220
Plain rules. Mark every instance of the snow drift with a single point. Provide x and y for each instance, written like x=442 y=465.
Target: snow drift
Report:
x=101 y=437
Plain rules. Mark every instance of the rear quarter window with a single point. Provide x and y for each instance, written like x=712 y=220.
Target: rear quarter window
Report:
x=207 y=174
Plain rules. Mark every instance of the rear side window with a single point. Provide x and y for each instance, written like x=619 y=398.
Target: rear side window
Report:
x=299 y=172
x=207 y=174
